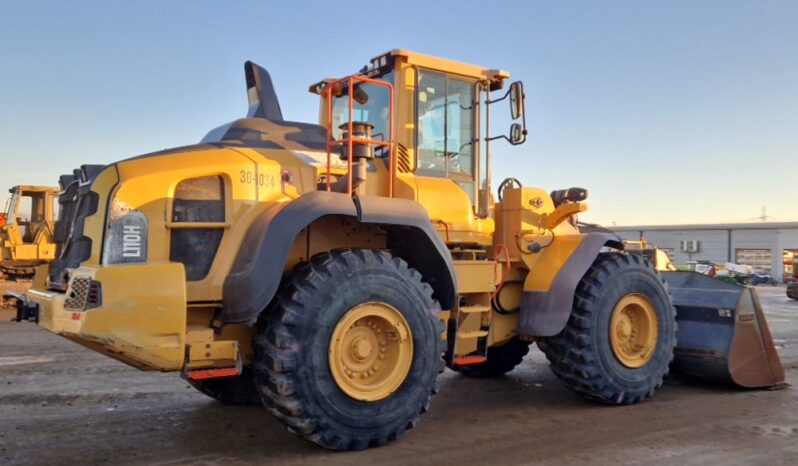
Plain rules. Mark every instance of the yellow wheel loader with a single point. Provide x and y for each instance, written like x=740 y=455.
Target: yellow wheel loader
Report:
x=332 y=271
x=26 y=230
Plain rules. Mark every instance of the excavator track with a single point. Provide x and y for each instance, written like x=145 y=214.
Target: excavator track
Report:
x=18 y=270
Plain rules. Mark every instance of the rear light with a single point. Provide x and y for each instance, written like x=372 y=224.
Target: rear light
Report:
x=94 y=297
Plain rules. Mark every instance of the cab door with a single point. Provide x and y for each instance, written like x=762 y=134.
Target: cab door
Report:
x=446 y=147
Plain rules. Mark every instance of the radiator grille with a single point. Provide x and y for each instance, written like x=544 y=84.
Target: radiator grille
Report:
x=402 y=159
x=78 y=292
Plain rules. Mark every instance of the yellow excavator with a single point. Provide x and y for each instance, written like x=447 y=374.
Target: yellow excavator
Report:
x=26 y=230
x=332 y=271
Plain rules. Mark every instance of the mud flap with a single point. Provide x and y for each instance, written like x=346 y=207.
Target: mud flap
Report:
x=722 y=334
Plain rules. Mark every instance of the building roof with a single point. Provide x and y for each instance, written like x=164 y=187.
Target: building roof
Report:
x=712 y=226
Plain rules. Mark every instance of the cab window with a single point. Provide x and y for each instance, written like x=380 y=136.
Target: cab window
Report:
x=445 y=129
x=372 y=104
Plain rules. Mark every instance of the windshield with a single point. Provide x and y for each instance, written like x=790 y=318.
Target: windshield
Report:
x=371 y=105
x=11 y=208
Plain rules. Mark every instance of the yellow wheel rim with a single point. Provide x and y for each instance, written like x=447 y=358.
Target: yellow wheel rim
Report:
x=633 y=330
x=371 y=350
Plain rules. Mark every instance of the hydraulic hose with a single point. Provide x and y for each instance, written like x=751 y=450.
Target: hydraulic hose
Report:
x=496 y=301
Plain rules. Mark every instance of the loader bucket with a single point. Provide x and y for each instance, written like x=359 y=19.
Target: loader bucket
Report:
x=722 y=334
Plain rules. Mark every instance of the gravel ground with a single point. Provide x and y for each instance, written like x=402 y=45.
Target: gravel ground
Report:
x=63 y=404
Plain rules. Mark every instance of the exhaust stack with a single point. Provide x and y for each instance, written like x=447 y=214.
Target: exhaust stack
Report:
x=262 y=98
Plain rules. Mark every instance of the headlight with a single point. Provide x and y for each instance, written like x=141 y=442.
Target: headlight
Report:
x=126 y=236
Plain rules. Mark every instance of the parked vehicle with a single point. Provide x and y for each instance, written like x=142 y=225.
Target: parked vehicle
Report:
x=26 y=230
x=702 y=266
x=762 y=279
x=792 y=283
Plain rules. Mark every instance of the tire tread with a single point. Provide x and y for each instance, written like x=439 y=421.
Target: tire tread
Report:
x=571 y=354
x=275 y=358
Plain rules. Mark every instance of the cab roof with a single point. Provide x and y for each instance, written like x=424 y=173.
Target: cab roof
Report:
x=442 y=64
x=381 y=62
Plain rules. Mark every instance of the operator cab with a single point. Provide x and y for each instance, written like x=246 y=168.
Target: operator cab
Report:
x=30 y=208
x=430 y=114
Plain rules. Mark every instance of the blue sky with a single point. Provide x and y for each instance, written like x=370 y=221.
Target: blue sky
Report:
x=668 y=112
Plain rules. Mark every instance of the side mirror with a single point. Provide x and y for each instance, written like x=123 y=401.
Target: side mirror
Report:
x=517 y=134
x=517 y=100
x=517 y=130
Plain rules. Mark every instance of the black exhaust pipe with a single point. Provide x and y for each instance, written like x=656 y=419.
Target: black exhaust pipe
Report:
x=262 y=98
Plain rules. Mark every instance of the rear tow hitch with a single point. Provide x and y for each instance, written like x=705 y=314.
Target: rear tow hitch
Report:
x=25 y=311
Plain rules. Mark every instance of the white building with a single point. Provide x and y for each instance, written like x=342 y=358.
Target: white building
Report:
x=767 y=246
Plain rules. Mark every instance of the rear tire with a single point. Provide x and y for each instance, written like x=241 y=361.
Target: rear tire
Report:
x=296 y=357
x=239 y=390
x=583 y=356
x=501 y=360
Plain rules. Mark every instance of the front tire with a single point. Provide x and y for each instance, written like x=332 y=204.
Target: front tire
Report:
x=618 y=342
x=352 y=353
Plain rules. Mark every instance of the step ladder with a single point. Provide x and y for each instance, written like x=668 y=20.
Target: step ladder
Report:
x=473 y=329
x=470 y=323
